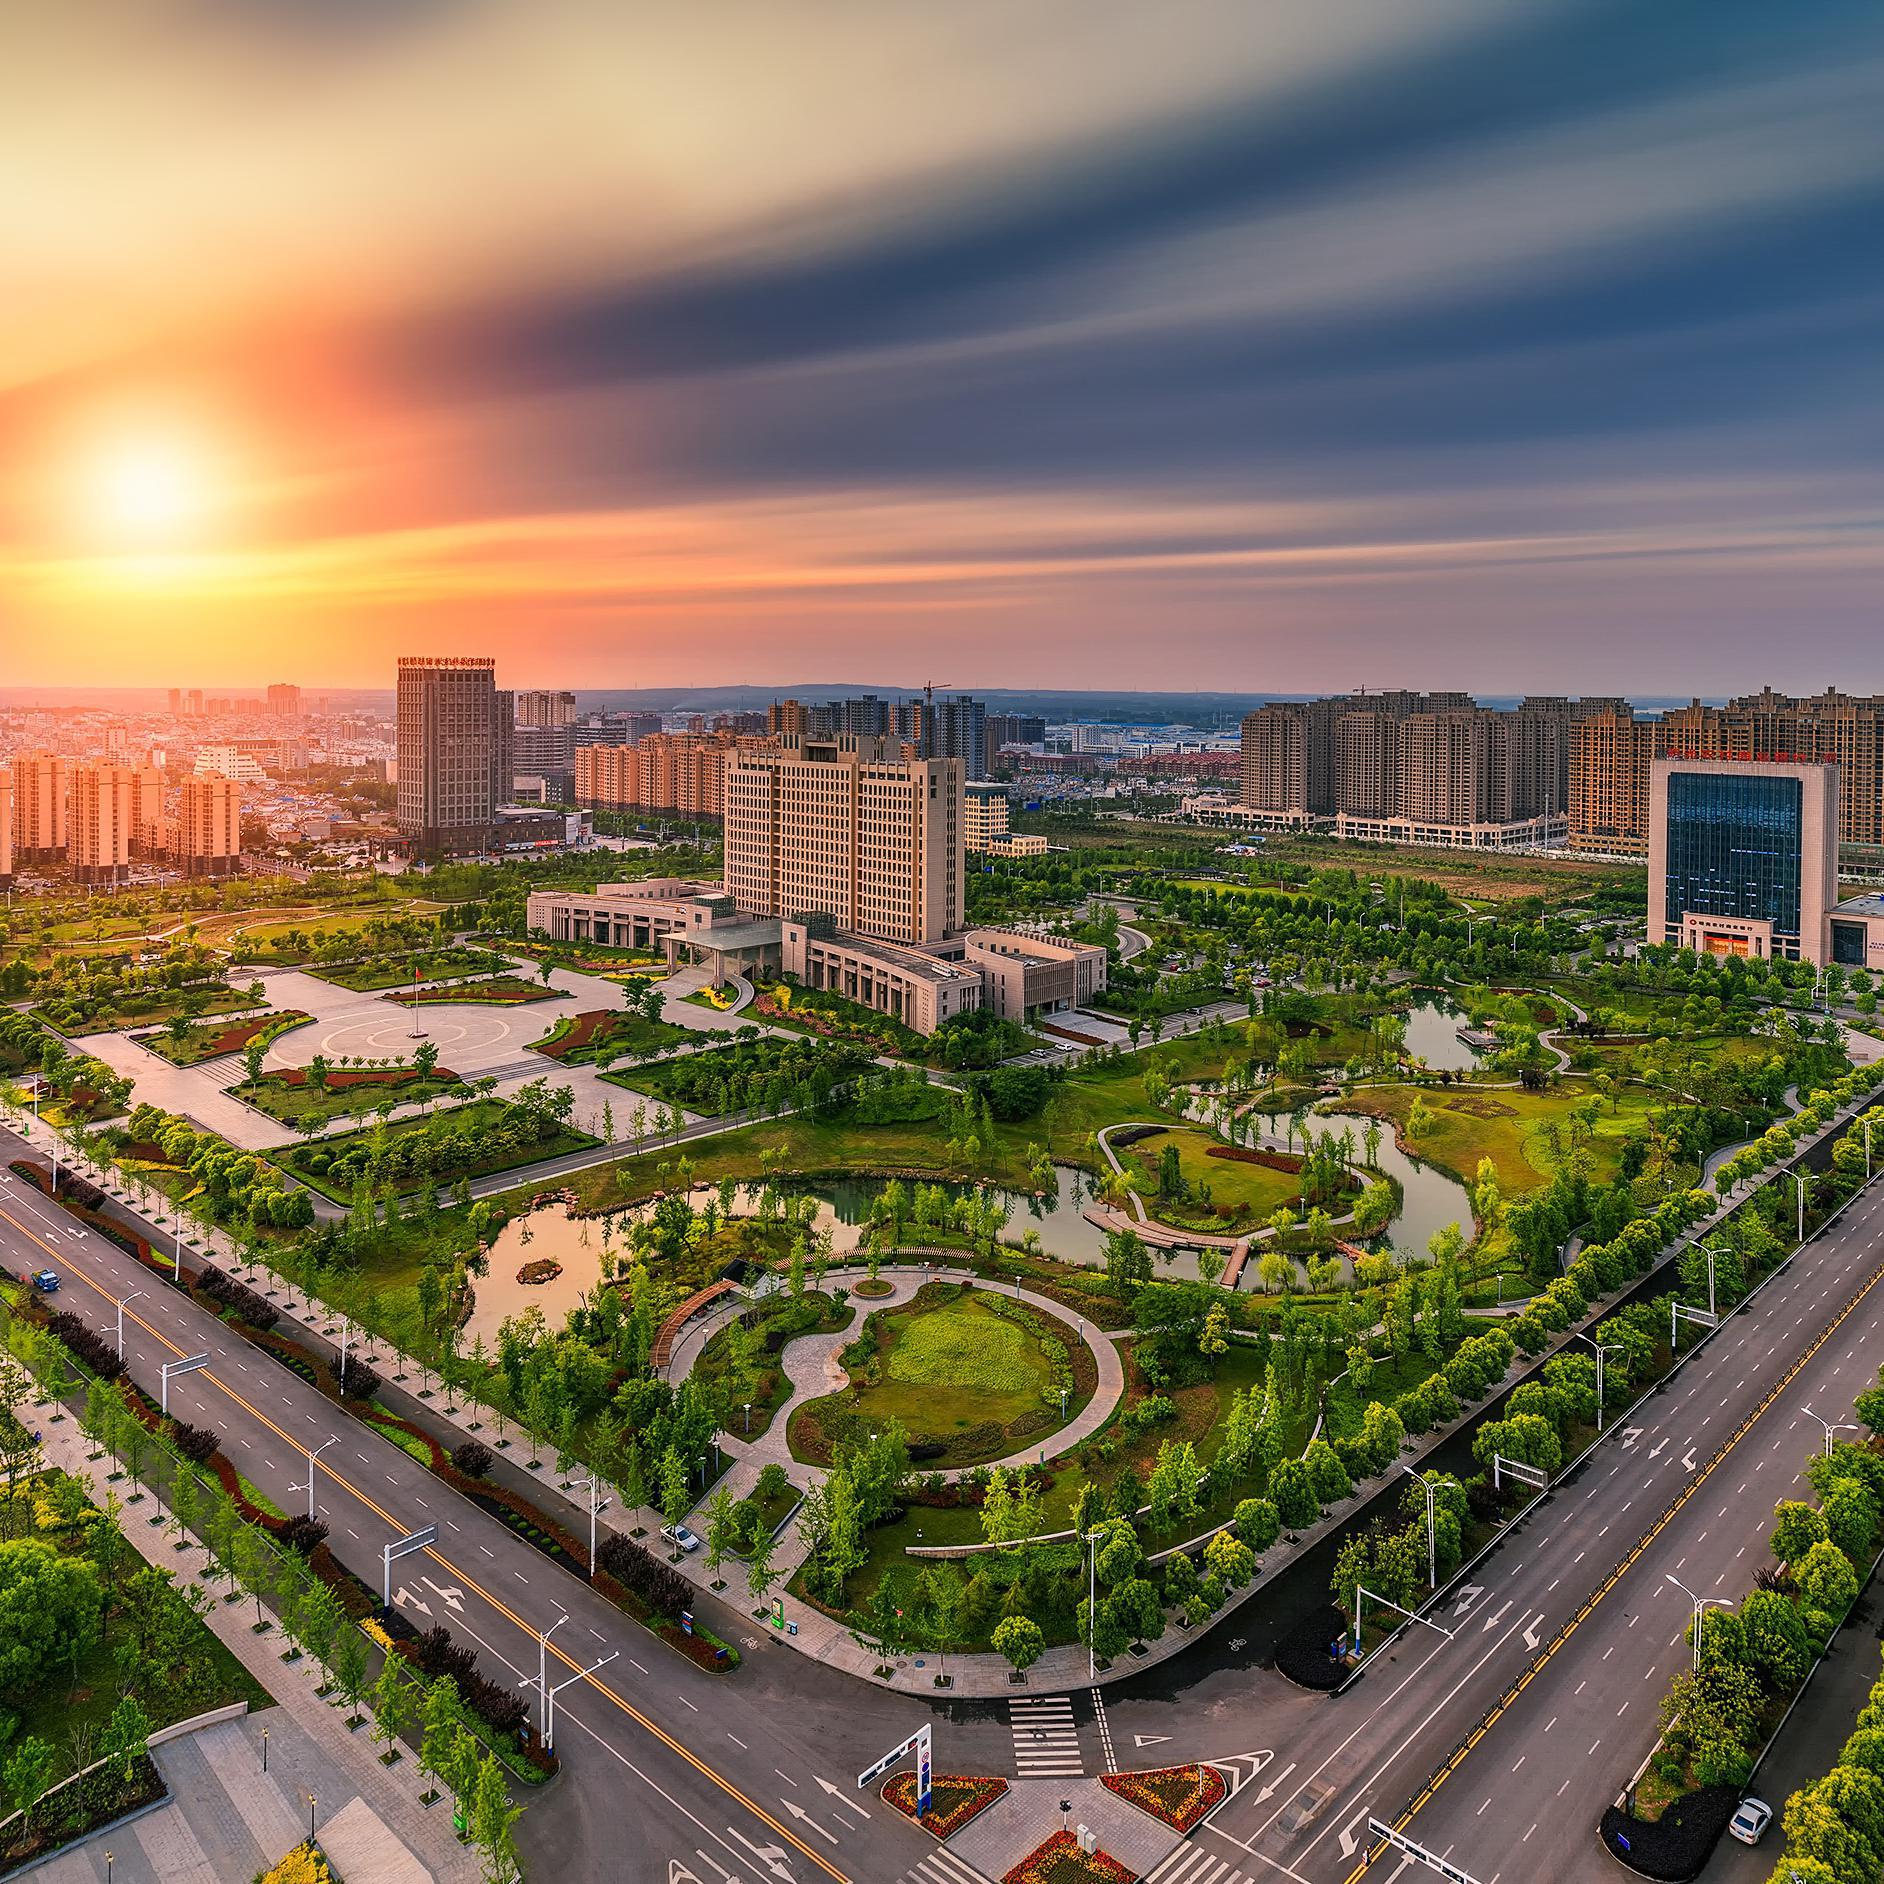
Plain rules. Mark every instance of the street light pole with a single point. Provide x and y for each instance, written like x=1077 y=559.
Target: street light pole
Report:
x=1432 y=1541
x=1601 y=1348
x=1701 y=1604
x=135 y=1295
x=1831 y=1427
x=597 y=1504
x=313 y=1454
x=542 y=1677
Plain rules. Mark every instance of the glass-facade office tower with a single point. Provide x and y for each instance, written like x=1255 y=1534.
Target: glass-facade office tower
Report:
x=1743 y=856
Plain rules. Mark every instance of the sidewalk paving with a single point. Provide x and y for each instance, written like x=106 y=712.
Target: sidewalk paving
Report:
x=225 y=1818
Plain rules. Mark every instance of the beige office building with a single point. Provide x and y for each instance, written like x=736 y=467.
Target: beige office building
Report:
x=985 y=812
x=848 y=828
x=209 y=827
x=103 y=822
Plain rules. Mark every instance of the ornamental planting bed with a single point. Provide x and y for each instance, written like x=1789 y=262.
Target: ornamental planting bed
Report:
x=1060 y=1861
x=214 y=1042
x=1177 y=1796
x=954 y=1799
x=499 y=991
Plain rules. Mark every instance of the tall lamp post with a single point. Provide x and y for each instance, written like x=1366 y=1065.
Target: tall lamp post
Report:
x=135 y=1295
x=1831 y=1427
x=1701 y=1605
x=1432 y=1538
x=1601 y=1348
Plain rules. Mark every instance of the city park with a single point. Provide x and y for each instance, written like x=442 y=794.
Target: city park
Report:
x=1000 y=1349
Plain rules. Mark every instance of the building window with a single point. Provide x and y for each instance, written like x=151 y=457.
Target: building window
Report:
x=1848 y=940
x=1735 y=845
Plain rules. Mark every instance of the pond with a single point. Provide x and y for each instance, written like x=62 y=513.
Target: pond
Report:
x=581 y=1244
x=1432 y=1034
x=1429 y=1197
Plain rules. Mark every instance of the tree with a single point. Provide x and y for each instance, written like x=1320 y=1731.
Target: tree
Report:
x=1258 y=1523
x=50 y=1612
x=722 y=1533
x=441 y=1724
x=392 y=1706
x=1020 y=1640
x=1294 y=1493
x=1828 y=1585
x=1776 y=1646
x=346 y=1666
x=492 y=1815
x=127 y=1737
x=674 y=1494
x=1228 y=1557
x=28 y=1773
x=1796 y=1528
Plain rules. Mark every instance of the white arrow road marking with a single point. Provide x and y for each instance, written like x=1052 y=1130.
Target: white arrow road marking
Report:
x=1269 y=1786
x=1530 y=1633
x=1491 y=1622
x=842 y=1797
x=677 y=1873
x=1655 y=1451
x=1469 y=1594
x=1349 y=1844
x=798 y=1812
x=704 y=1858
x=1630 y=1434
x=1149 y=1740
x=454 y=1597
x=771 y=1856
x=1687 y=1461
x=404 y=1599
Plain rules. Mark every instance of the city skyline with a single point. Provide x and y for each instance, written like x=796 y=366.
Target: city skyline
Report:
x=1229 y=351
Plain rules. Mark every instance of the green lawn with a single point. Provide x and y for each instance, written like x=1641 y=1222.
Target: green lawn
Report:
x=149 y=1011
x=1249 y=1192
x=956 y=1372
x=308 y=1163
x=402 y=971
x=289 y=1100
x=1470 y=1124
x=599 y=1037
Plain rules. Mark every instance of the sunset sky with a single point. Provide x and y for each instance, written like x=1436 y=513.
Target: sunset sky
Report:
x=1263 y=345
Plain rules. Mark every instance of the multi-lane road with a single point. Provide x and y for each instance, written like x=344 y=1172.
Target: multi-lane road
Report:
x=1559 y=1648
x=747 y=1776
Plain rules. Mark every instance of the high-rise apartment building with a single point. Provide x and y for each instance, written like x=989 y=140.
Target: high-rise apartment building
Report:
x=39 y=808
x=540 y=707
x=681 y=773
x=848 y=829
x=955 y=728
x=1279 y=760
x=284 y=700
x=454 y=734
x=1367 y=764
x=209 y=827
x=788 y=716
x=6 y=827
x=1611 y=752
x=1455 y=769
x=1015 y=729
x=104 y=818
x=1540 y=757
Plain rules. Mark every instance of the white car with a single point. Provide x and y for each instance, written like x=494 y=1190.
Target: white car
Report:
x=684 y=1540
x=1751 y=1820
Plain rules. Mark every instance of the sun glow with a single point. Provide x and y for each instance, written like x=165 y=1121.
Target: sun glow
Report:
x=149 y=491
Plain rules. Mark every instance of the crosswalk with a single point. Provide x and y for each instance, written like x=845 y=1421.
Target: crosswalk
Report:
x=1046 y=1737
x=942 y=1867
x=1191 y=1864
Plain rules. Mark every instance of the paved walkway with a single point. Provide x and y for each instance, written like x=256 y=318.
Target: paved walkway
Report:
x=226 y=1819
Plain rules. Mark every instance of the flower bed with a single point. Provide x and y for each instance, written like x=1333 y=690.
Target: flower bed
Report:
x=1177 y=1796
x=209 y=1041
x=1242 y=1154
x=954 y=1799
x=1060 y=1861
x=499 y=991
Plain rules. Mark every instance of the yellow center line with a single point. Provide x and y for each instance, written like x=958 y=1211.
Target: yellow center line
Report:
x=1463 y=1750
x=458 y=1575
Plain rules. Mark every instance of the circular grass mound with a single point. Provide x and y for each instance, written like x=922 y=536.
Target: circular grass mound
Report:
x=963 y=1345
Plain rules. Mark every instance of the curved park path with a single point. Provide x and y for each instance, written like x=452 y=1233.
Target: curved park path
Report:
x=812 y=1366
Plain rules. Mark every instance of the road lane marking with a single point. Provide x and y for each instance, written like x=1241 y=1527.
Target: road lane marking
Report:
x=496 y=1602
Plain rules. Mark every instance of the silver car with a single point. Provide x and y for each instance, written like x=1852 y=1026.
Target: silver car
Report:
x=1750 y=1821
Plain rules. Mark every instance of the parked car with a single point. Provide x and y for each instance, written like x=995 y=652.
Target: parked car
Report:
x=46 y=1282
x=1751 y=1820
x=680 y=1537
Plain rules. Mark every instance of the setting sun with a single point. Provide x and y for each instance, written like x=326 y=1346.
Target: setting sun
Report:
x=149 y=490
